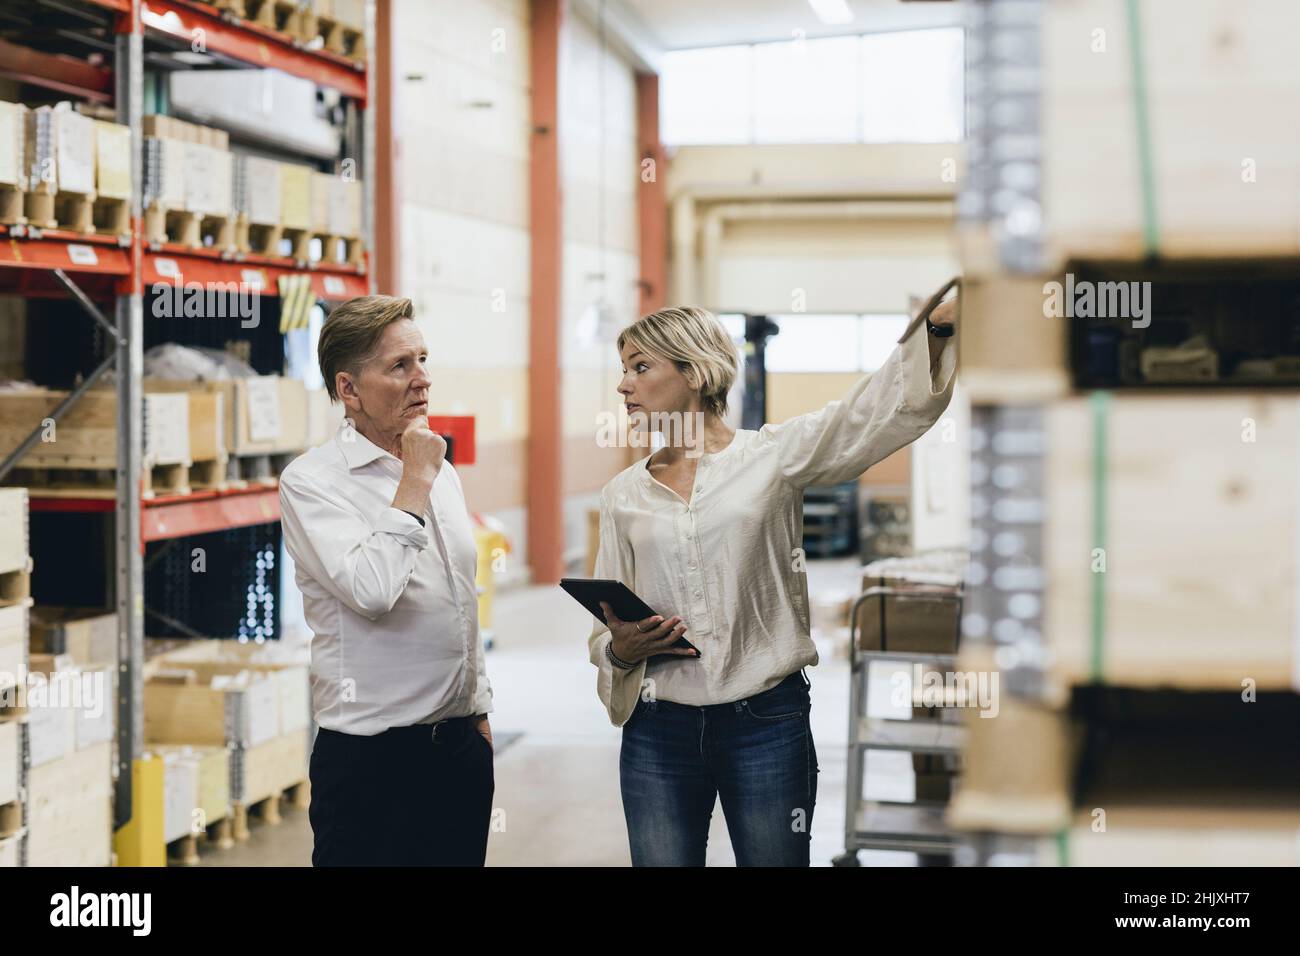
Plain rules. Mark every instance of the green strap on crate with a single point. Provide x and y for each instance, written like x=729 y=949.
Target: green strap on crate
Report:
x=1100 y=402
x=1146 y=163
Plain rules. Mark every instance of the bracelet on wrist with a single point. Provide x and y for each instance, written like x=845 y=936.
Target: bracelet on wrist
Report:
x=615 y=659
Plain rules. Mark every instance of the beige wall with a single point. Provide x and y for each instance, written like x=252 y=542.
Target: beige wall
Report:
x=462 y=112
x=598 y=152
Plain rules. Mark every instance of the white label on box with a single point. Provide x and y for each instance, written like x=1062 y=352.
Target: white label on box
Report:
x=166 y=268
x=334 y=285
x=263 y=408
x=82 y=255
x=167 y=429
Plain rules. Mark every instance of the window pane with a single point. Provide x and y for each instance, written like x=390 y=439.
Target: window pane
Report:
x=912 y=87
x=707 y=96
x=878 y=337
x=814 y=343
x=807 y=91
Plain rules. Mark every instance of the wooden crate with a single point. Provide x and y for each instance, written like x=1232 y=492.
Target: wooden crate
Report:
x=1199 y=584
x=11 y=760
x=196 y=788
x=1155 y=836
x=14 y=548
x=1225 y=168
x=10 y=852
x=262 y=415
x=293 y=693
x=195 y=713
x=13 y=645
x=70 y=810
x=268 y=769
x=87 y=635
x=85 y=437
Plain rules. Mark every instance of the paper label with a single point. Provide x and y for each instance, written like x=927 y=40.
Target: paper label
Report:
x=82 y=255
x=263 y=408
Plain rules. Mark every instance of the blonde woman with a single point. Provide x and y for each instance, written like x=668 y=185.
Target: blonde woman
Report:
x=707 y=532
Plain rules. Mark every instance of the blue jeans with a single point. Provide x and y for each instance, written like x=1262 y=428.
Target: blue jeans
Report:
x=756 y=754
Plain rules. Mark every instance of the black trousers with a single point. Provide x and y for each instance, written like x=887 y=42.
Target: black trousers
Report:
x=405 y=797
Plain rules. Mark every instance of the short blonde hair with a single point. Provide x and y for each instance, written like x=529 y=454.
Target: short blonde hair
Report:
x=695 y=340
x=351 y=334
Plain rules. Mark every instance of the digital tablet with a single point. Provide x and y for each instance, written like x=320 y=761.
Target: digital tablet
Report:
x=589 y=592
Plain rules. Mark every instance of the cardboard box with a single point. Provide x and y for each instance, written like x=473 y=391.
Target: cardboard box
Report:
x=196 y=782
x=13 y=129
x=208 y=173
x=918 y=619
x=70 y=813
x=112 y=160
x=1199 y=575
x=86 y=635
x=259 y=181
x=74 y=151
x=322 y=190
x=1226 y=172
x=295 y=196
x=345 y=208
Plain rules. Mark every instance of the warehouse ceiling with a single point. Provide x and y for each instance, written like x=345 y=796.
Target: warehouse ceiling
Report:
x=682 y=24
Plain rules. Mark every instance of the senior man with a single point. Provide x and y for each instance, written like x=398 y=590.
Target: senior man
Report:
x=376 y=522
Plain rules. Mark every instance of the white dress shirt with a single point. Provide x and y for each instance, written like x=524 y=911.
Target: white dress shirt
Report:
x=729 y=562
x=393 y=606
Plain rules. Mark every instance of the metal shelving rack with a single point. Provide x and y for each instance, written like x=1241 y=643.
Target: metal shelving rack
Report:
x=882 y=825
x=37 y=263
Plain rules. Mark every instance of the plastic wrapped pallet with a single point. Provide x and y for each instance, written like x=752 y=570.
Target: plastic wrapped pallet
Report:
x=164 y=173
x=322 y=187
x=207 y=180
x=295 y=196
x=39 y=150
x=13 y=122
x=258 y=189
x=345 y=208
x=112 y=160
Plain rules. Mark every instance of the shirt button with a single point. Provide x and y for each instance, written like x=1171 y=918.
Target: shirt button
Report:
x=697 y=594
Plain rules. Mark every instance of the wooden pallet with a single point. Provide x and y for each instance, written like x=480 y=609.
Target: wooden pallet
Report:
x=11 y=819
x=111 y=217
x=342 y=39
x=74 y=212
x=11 y=206
x=353 y=249
x=245 y=470
x=300 y=241
x=258 y=239
x=268 y=809
x=175 y=479
x=217 y=836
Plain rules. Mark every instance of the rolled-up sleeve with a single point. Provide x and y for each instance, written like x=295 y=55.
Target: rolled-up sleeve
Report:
x=365 y=566
x=617 y=688
x=891 y=408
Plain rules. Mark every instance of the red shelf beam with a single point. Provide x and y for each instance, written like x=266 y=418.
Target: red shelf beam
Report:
x=181 y=515
x=186 y=266
x=253 y=44
x=64 y=74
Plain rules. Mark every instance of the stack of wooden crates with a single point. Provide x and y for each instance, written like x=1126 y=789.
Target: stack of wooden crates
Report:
x=1134 y=548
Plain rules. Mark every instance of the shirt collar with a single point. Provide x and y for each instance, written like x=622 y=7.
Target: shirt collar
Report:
x=358 y=450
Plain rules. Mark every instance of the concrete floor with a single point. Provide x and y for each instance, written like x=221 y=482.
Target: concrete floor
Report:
x=557 y=794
